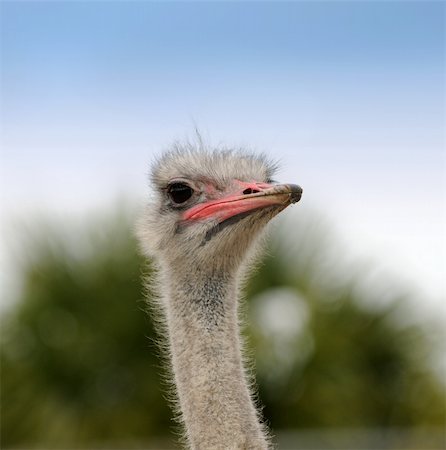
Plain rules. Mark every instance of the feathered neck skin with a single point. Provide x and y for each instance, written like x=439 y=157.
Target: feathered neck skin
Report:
x=202 y=319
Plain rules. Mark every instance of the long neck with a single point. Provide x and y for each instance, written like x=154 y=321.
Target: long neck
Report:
x=216 y=405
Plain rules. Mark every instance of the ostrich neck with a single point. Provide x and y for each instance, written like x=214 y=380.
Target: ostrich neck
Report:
x=216 y=405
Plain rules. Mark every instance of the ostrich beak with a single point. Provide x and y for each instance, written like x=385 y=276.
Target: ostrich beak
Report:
x=249 y=197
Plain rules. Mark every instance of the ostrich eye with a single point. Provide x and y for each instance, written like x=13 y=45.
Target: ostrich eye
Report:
x=179 y=192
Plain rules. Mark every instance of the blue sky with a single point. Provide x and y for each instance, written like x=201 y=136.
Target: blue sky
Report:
x=113 y=70
x=348 y=95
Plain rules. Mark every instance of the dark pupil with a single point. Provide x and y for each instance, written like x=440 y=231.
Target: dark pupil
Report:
x=179 y=193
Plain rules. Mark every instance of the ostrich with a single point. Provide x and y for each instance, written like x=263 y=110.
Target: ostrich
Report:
x=208 y=210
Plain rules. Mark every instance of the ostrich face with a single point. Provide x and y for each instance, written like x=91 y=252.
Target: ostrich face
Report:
x=211 y=205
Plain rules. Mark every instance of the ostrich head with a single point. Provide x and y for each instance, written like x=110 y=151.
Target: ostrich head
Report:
x=210 y=205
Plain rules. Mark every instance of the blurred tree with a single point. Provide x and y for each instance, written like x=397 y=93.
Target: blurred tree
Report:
x=355 y=356
x=78 y=357
x=79 y=360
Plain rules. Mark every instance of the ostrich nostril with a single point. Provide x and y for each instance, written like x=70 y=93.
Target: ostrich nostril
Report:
x=250 y=191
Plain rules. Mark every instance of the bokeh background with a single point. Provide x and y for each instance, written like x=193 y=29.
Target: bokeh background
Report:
x=346 y=312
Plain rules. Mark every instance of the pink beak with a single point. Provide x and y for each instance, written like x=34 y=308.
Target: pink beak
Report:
x=250 y=197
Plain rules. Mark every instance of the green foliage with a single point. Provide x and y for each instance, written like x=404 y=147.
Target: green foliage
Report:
x=79 y=360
